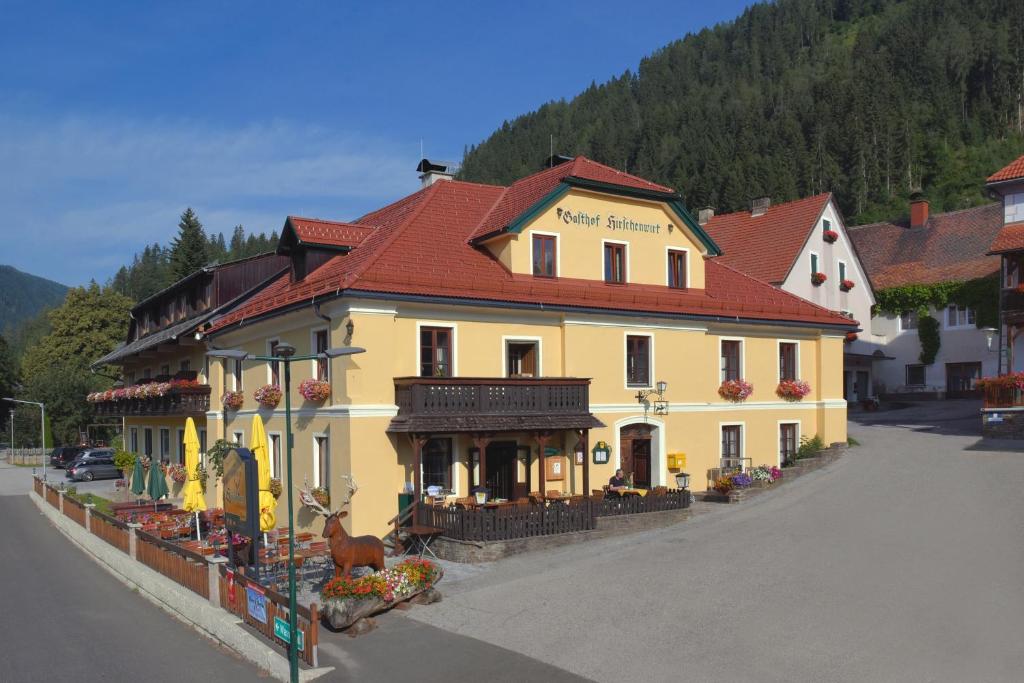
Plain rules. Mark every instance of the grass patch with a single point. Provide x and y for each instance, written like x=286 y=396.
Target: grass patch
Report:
x=102 y=504
x=850 y=441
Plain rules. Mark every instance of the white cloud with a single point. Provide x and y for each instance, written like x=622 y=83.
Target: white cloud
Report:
x=83 y=195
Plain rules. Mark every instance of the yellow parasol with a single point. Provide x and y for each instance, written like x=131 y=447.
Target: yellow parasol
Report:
x=258 y=446
x=194 y=500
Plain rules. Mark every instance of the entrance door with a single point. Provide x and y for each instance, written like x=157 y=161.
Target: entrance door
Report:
x=635 y=453
x=501 y=469
x=642 y=463
x=960 y=378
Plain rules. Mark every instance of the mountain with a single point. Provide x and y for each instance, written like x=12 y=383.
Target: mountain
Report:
x=870 y=99
x=24 y=296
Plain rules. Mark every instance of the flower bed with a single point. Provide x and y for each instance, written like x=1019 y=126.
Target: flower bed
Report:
x=233 y=400
x=761 y=476
x=268 y=396
x=346 y=600
x=818 y=279
x=316 y=390
x=792 y=389
x=735 y=390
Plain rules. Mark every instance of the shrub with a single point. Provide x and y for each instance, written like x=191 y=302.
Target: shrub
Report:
x=124 y=461
x=810 y=446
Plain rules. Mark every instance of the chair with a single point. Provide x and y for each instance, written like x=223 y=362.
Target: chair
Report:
x=523 y=500
x=553 y=494
x=659 y=491
x=597 y=494
x=576 y=499
x=537 y=498
x=466 y=502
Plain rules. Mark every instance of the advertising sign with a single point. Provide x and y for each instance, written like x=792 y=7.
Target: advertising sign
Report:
x=257 y=598
x=602 y=453
x=241 y=493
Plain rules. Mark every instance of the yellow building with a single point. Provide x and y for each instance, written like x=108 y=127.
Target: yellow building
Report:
x=509 y=331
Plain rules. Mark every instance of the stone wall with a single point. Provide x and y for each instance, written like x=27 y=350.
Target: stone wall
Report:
x=1002 y=424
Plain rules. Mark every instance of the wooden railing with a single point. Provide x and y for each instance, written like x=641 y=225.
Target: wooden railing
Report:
x=491 y=396
x=1002 y=397
x=180 y=401
x=673 y=499
x=509 y=521
x=234 y=600
x=181 y=566
x=110 y=529
x=37 y=485
x=74 y=510
x=52 y=497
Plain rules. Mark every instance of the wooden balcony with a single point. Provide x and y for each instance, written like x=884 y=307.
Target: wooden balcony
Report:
x=454 y=404
x=178 y=402
x=1013 y=305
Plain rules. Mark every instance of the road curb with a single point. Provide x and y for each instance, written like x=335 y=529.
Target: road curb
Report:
x=178 y=601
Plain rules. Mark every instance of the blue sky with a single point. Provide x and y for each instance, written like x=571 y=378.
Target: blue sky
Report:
x=115 y=116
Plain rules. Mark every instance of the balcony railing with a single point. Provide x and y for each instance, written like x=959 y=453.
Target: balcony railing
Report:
x=179 y=401
x=513 y=396
x=1013 y=304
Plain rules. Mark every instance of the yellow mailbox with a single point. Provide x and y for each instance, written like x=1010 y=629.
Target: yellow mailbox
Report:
x=676 y=461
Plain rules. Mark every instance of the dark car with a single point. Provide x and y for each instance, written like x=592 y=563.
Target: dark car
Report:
x=96 y=465
x=62 y=456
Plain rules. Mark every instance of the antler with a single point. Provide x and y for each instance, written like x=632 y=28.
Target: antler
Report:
x=352 y=488
x=307 y=499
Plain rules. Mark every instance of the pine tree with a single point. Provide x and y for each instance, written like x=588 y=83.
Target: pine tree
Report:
x=189 y=248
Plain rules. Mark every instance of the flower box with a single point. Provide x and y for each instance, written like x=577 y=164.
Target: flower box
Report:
x=735 y=390
x=268 y=396
x=233 y=400
x=792 y=389
x=315 y=390
x=347 y=600
x=818 y=279
x=830 y=236
x=846 y=285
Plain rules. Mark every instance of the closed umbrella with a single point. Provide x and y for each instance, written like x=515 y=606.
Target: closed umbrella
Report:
x=258 y=446
x=138 y=477
x=194 y=501
x=157 y=487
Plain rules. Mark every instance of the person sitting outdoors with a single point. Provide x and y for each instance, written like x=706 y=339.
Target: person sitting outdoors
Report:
x=617 y=484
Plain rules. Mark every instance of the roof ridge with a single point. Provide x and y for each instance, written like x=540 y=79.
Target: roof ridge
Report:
x=827 y=193
x=329 y=220
x=483 y=220
x=896 y=221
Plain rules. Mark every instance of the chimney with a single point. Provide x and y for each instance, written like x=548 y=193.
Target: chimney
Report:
x=759 y=206
x=918 y=210
x=705 y=215
x=432 y=171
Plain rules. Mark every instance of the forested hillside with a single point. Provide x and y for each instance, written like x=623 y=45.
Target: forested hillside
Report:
x=867 y=98
x=23 y=296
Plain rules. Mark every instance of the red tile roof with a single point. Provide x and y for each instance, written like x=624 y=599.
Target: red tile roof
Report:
x=421 y=248
x=766 y=246
x=1010 y=238
x=1012 y=171
x=525 y=192
x=952 y=246
x=328 y=233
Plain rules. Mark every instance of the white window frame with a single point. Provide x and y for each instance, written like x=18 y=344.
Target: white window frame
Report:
x=133 y=439
x=316 y=458
x=270 y=452
x=454 y=465
x=203 y=436
x=826 y=224
x=778 y=355
x=778 y=439
x=181 y=445
x=625 y=261
x=239 y=438
x=669 y=250
x=899 y=321
x=237 y=374
x=957 y=326
x=743 y=441
x=743 y=357
x=841 y=271
x=558 y=250
x=312 y=350
x=152 y=442
x=814 y=261
x=420 y=324
x=280 y=364
x=906 y=374
x=625 y=364
x=514 y=338
x=160 y=443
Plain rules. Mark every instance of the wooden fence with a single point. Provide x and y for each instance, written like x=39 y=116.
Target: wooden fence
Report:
x=234 y=589
x=74 y=510
x=52 y=497
x=37 y=484
x=181 y=566
x=673 y=499
x=111 y=530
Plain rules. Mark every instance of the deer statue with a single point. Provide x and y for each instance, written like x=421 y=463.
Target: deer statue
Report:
x=347 y=551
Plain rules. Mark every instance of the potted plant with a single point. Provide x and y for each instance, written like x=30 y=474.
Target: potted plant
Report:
x=316 y=390
x=830 y=236
x=846 y=285
x=177 y=473
x=347 y=600
x=851 y=337
x=792 y=389
x=321 y=495
x=735 y=390
x=817 y=279
x=232 y=400
x=268 y=396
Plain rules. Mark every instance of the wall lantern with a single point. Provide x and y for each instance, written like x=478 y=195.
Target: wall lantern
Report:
x=660 y=405
x=350 y=327
x=683 y=480
x=990 y=335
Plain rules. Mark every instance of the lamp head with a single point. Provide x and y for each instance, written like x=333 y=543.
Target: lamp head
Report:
x=343 y=351
x=662 y=387
x=284 y=350
x=230 y=354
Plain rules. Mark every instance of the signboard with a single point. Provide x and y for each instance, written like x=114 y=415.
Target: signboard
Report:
x=610 y=222
x=602 y=453
x=995 y=417
x=257 y=598
x=241 y=493
x=554 y=469
x=281 y=631
x=552 y=450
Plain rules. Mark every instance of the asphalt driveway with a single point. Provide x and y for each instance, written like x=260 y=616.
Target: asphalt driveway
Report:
x=903 y=561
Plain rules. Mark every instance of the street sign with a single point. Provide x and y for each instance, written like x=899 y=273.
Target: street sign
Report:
x=281 y=631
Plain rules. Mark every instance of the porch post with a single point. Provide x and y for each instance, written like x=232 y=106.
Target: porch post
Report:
x=417 y=475
x=542 y=441
x=585 y=440
x=481 y=441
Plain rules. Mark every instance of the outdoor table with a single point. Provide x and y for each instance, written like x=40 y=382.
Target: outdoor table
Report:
x=633 y=492
x=421 y=536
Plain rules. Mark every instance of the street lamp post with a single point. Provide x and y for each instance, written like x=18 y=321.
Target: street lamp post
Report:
x=286 y=353
x=42 y=426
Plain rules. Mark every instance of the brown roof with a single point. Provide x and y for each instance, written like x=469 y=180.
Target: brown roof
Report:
x=1010 y=238
x=1012 y=171
x=952 y=246
x=767 y=245
x=421 y=248
x=318 y=232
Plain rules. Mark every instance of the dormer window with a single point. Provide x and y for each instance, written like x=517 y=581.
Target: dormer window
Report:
x=544 y=255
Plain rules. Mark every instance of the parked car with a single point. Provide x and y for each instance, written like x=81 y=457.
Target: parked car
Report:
x=96 y=466
x=62 y=456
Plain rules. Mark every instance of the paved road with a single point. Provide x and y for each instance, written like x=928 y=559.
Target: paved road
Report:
x=64 y=618
x=903 y=561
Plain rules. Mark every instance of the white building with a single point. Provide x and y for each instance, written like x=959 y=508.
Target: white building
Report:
x=1008 y=185
x=792 y=245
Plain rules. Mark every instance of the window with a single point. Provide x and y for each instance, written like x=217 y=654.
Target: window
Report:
x=826 y=225
x=181 y=446
x=238 y=375
x=842 y=271
x=522 y=359
x=544 y=256
x=202 y=446
x=730 y=359
x=732 y=445
x=959 y=317
x=787 y=441
x=814 y=264
x=437 y=463
x=915 y=375
x=787 y=360
x=614 y=263
x=321 y=461
x=129 y=377
x=275 y=455
x=165 y=444
x=147 y=435
x=323 y=365
x=908 y=320
x=638 y=361
x=677 y=269
x=275 y=366
x=133 y=439
x=206 y=369
x=435 y=352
